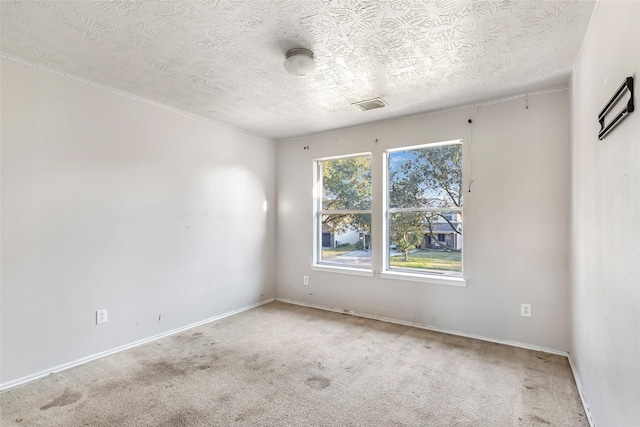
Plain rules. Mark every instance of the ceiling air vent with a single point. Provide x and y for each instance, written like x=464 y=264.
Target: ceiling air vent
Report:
x=370 y=104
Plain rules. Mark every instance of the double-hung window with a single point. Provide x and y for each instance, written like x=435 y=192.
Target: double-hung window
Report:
x=423 y=215
x=343 y=213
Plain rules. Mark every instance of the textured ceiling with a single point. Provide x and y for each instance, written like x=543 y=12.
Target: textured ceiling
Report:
x=222 y=59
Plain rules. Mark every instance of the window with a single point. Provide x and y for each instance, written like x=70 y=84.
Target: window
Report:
x=343 y=212
x=423 y=220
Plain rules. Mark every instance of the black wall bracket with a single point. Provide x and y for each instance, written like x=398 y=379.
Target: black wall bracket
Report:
x=627 y=86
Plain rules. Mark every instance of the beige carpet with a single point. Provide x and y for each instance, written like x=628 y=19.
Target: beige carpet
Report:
x=284 y=365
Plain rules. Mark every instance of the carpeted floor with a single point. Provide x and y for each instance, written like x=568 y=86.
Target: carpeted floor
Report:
x=285 y=365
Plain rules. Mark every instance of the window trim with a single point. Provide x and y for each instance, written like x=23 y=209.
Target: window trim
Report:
x=387 y=272
x=318 y=264
x=425 y=278
x=336 y=268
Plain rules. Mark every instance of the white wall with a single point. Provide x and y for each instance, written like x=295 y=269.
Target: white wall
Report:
x=516 y=223
x=109 y=202
x=605 y=232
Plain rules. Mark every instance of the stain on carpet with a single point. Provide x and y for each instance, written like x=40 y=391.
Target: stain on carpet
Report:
x=184 y=417
x=158 y=372
x=250 y=413
x=165 y=369
x=530 y=384
x=225 y=398
x=539 y=420
x=256 y=362
x=318 y=382
x=66 y=398
x=539 y=371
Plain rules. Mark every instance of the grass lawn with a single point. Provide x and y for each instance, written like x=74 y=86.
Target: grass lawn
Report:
x=328 y=253
x=428 y=259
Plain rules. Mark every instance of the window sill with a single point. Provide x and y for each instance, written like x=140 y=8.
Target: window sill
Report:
x=414 y=277
x=342 y=270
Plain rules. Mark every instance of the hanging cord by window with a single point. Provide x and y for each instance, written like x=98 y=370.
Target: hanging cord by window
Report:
x=470 y=121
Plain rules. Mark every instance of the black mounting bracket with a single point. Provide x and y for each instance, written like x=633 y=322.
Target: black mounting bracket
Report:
x=627 y=86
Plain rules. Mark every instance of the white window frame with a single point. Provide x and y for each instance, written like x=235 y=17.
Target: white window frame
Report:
x=410 y=275
x=318 y=264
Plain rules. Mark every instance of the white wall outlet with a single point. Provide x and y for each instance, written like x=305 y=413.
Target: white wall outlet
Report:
x=525 y=310
x=101 y=316
x=305 y=280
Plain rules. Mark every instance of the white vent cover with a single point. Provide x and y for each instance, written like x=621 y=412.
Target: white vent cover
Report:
x=370 y=104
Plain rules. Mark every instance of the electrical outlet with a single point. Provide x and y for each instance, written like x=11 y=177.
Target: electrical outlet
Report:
x=305 y=280
x=525 y=310
x=101 y=316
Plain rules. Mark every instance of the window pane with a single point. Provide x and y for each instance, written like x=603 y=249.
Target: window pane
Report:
x=429 y=242
x=346 y=183
x=346 y=240
x=426 y=177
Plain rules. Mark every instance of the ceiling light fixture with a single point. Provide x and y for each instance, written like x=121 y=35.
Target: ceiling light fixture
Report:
x=299 y=62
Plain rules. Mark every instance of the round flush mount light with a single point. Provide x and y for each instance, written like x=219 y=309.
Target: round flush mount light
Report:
x=299 y=62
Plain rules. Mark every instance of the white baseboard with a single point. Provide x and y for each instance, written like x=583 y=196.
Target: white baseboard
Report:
x=82 y=361
x=580 y=392
x=429 y=328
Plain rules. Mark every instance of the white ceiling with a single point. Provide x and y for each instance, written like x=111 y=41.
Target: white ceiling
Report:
x=222 y=59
